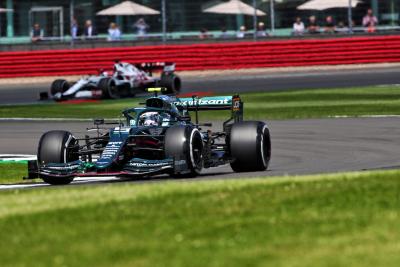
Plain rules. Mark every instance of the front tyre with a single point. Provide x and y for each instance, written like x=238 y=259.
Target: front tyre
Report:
x=57 y=147
x=184 y=143
x=59 y=86
x=109 y=89
x=250 y=146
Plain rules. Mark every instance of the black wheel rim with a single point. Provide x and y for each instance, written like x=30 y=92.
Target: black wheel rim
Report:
x=113 y=91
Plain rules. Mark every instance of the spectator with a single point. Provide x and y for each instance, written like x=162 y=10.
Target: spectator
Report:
x=241 y=33
x=203 y=34
x=74 y=29
x=341 y=28
x=224 y=33
x=141 y=27
x=313 y=26
x=90 y=30
x=261 y=30
x=36 y=33
x=114 y=33
x=330 y=26
x=298 y=27
x=370 y=21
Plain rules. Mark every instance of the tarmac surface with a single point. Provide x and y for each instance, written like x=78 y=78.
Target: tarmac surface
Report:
x=298 y=146
x=242 y=81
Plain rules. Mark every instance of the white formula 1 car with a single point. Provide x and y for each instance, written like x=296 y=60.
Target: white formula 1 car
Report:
x=125 y=81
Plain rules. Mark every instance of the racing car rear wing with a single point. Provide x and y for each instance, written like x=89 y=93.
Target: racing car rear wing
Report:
x=183 y=104
x=154 y=66
x=233 y=103
x=208 y=103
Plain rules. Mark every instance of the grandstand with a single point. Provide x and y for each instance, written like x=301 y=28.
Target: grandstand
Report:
x=183 y=21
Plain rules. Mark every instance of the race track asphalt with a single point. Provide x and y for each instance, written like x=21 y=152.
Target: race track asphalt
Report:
x=244 y=82
x=298 y=146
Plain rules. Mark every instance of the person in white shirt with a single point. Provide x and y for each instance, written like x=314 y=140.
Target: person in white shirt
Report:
x=141 y=27
x=114 y=33
x=90 y=31
x=241 y=33
x=298 y=27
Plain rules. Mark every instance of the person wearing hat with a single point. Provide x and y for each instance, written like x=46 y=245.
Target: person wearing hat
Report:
x=261 y=32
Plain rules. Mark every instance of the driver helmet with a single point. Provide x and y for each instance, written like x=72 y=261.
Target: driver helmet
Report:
x=150 y=119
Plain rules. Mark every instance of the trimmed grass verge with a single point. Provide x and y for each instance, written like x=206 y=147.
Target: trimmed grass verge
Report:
x=11 y=173
x=264 y=105
x=324 y=220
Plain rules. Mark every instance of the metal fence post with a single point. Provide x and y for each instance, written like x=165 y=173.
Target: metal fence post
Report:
x=10 y=18
x=164 y=21
x=255 y=19
x=272 y=10
x=72 y=15
x=350 y=17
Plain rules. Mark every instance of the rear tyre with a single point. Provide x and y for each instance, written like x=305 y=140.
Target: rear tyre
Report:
x=109 y=89
x=59 y=86
x=250 y=146
x=172 y=82
x=185 y=143
x=55 y=147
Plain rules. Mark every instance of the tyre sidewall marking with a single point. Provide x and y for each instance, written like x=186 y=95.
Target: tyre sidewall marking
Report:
x=191 y=148
x=262 y=146
x=66 y=146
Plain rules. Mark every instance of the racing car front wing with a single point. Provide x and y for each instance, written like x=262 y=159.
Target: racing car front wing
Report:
x=134 y=168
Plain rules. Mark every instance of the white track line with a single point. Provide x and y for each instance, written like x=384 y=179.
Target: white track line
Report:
x=47 y=119
x=21 y=186
x=16 y=157
x=76 y=181
x=365 y=116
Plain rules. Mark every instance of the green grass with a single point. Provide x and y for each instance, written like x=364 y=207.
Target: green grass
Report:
x=263 y=105
x=11 y=173
x=326 y=220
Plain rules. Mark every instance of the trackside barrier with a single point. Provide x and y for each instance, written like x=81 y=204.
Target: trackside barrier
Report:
x=335 y=51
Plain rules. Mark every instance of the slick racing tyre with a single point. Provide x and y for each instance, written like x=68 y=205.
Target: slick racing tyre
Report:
x=59 y=86
x=250 y=146
x=55 y=147
x=109 y=89
x=184 y=143
x=172 y=82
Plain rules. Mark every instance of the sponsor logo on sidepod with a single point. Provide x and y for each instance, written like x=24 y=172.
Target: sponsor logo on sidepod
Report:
x=142 y=164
